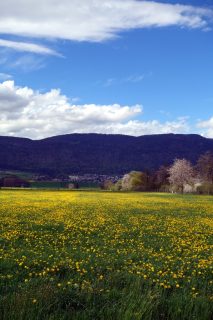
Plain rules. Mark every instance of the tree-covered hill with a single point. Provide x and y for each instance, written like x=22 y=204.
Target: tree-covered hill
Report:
x=99 y=153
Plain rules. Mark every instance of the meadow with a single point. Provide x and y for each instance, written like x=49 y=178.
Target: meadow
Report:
x=104 y=255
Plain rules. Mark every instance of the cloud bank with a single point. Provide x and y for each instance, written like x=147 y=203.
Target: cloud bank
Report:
x=94 y=20
x=25 y=112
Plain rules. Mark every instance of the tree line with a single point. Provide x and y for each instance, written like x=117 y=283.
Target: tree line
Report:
x=180 y=177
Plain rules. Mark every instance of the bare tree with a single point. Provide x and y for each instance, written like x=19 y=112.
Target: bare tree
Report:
x=161 y=178
x=107 y=185
x=180 y=174
x=205 y=167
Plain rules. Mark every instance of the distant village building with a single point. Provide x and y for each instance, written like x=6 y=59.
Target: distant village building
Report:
x=74 y=178
x=73 y=185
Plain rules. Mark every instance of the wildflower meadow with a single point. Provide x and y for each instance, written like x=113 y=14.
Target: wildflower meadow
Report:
x=105 y=255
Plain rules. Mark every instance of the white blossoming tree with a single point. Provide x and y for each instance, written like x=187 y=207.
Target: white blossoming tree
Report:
x=181 y=173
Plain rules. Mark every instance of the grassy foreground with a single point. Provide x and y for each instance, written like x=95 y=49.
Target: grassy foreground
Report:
x=102 y=255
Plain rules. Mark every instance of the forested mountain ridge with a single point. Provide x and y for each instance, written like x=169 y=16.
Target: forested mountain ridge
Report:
x=99 y=153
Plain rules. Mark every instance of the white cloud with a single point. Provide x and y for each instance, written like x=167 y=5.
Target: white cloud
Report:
x=134 y=78
x=206 y=127
x=27 y=47
x=28 y=113
x=93 y=20
x=130 y=79
x=4 y=76
x=27 y=63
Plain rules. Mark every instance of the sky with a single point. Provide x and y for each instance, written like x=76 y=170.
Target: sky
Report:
x=108 y=66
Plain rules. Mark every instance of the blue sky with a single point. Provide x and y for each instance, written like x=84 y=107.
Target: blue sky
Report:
x=139 y=74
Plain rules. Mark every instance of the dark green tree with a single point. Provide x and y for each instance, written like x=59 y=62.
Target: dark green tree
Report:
x=135 y=181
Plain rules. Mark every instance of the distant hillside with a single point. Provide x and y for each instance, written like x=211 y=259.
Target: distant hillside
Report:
x=99 y=153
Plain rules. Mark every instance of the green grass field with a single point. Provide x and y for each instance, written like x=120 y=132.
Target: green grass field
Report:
x=103 y=255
